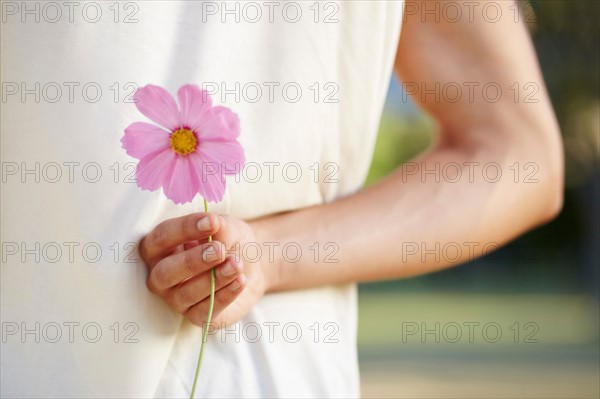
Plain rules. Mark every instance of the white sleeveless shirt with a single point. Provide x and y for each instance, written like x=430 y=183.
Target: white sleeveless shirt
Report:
x=308 y=81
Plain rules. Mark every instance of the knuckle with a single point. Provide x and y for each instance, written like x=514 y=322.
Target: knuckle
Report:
x=196 y=316
x=190 y=225
x=179 y=299
x=225 y=297
x=183 y=297
x=189 y=260
x=159 y=236
x=159 y=277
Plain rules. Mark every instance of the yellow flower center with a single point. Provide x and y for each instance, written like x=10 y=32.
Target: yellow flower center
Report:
x=183 y=141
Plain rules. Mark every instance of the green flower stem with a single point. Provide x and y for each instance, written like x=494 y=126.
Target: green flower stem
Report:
x=208 y=318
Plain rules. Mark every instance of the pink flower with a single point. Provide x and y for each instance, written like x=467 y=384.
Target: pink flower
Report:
x=195 y=152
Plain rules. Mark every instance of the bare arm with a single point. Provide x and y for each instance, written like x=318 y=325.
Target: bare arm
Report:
x=411 y=222
x=379 y=229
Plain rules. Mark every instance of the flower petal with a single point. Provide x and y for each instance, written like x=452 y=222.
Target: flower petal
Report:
x=227 y=156
x=142 y=139
x=194 y=104
x=220 y=124
x=156 y=170
x=184 y=183
x=157 y=104
x=212 y=181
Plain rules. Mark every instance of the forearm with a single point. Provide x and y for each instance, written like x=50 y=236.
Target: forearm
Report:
x=414 y=222
x=446 y=220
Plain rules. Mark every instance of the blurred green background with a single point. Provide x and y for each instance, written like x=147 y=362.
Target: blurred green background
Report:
x=541 y=292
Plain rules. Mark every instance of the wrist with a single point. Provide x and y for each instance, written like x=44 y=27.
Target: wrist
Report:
x=271 y=260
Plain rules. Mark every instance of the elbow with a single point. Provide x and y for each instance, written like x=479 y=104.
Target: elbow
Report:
x=551 y=196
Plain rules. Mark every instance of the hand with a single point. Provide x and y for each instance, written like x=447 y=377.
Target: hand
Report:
x=179 y=257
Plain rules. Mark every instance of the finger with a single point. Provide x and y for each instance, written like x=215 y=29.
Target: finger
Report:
x=196 y=289
x=173 y=232
x=173 y=269
x=190 y=245
x=230 y=231
x=223 y=298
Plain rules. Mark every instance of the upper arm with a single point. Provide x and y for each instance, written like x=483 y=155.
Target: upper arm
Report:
x=482 y=68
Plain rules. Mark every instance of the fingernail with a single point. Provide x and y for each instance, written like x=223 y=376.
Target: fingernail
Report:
x=204 y=224
x=237 y=283
x=211 y=254
x=228 y=269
